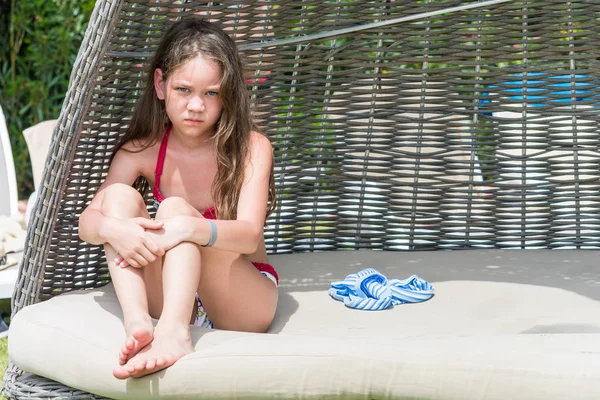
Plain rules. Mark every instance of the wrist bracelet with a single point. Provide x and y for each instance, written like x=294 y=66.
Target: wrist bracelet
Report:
x=213 y=233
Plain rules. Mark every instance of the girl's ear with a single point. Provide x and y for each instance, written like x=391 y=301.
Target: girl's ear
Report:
x=159 y=84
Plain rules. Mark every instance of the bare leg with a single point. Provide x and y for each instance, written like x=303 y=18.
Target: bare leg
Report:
x=180 y=276
x=235 y=294
x=122 y=201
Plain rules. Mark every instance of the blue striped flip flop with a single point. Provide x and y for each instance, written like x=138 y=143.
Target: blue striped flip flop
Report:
x=370 y=290
x=410 y=290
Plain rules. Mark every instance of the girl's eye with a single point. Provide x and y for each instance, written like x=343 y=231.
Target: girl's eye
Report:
x=212 y=93
x=182 y=89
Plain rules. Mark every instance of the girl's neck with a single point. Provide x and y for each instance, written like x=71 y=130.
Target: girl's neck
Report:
x=188 y=144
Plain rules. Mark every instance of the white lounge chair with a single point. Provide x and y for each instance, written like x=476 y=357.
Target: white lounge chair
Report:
x=38 y=138
x=8 y=178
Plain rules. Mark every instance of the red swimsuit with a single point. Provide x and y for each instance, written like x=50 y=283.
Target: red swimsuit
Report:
x=208 y=214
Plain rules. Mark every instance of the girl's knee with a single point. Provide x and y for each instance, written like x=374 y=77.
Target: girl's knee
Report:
x=121 y=190
x=173 y=206
x=121 y=197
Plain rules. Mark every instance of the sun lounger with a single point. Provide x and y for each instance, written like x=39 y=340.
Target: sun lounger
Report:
x=406 y=177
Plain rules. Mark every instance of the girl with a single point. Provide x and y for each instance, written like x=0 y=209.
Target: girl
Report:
x=191 y=138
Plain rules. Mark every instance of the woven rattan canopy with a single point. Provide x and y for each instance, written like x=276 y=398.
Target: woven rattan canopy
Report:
x=397 y=125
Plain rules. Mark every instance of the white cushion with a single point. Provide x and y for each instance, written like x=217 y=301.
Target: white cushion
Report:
x=502 y=325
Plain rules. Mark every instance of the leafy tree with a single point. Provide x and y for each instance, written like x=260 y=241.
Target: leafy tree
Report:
x=39 y=40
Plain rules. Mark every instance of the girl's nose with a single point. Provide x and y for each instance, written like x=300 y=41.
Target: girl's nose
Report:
x=196 y=104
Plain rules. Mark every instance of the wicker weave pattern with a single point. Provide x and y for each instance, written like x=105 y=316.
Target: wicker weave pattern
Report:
x=409 y=136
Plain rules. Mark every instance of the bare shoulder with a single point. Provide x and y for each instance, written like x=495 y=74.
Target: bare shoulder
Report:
x=260 y=145
x=138 y=146
x=139 y=156
x=260 y=156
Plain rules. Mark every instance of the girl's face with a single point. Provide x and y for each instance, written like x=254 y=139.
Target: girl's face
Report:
x=191 y=95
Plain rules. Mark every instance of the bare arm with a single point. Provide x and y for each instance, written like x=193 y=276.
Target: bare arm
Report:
x=244 y=234
x=94 y=227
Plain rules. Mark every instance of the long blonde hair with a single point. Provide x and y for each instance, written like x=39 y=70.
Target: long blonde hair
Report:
x=185 y=40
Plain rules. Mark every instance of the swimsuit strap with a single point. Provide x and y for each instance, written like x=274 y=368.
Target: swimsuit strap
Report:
x=210 y=213
x=159 y=165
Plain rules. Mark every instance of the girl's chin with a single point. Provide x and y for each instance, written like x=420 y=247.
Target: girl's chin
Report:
x=191 y=131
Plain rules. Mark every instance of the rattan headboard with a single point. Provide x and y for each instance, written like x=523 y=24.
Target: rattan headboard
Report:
x=397 y=125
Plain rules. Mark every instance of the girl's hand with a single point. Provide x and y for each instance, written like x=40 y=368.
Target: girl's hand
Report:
x=133 y=243
x=174 y=231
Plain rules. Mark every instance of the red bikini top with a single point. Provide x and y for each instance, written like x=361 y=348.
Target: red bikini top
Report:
x=158 y=197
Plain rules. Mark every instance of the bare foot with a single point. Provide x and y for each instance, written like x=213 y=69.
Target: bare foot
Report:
x=168 y=346
x=139 y=334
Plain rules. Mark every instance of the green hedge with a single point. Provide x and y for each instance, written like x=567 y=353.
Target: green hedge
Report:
x=38 y=46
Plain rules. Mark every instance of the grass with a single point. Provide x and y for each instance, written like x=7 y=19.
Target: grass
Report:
x=3 y=358
x=3 y=355
x=4 y=309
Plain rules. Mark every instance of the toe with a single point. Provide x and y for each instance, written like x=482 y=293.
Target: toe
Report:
x=125 y=350
x=140 y=366
x=121 y=373
x=130 y=368
x=140 y=370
